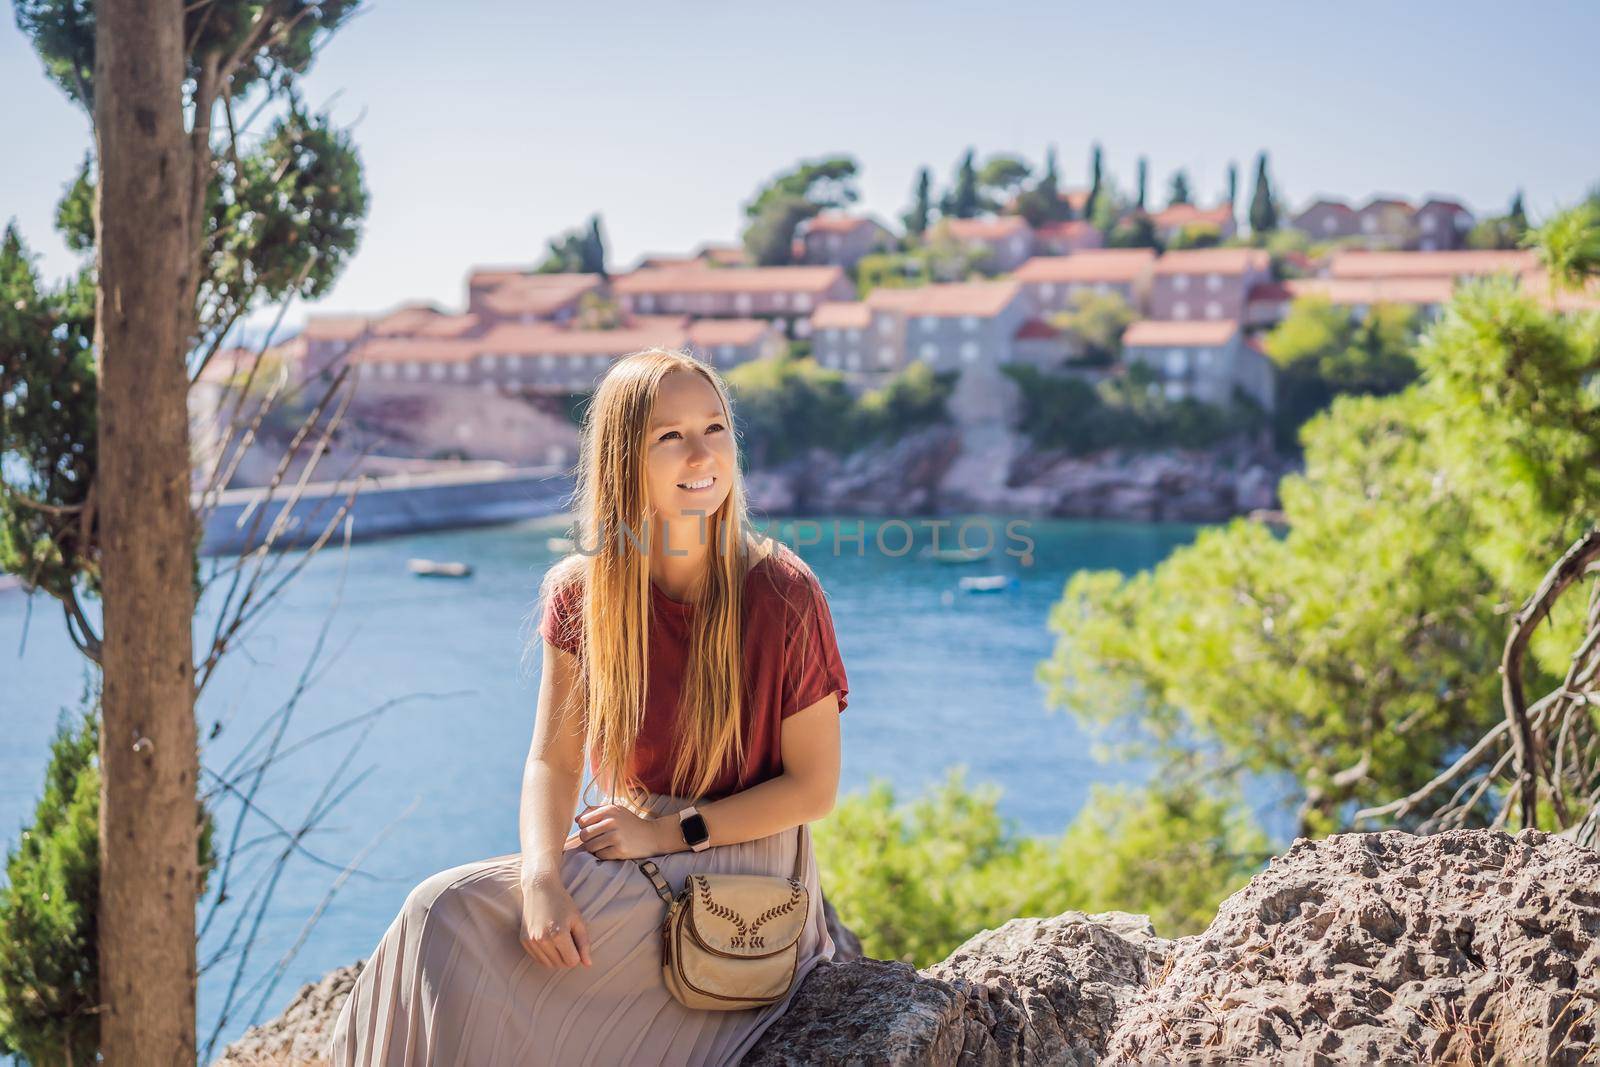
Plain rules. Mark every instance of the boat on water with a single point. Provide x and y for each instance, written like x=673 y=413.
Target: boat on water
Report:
x=560 y=545
x=988 y=583
x=429 y=568
x=954 y=555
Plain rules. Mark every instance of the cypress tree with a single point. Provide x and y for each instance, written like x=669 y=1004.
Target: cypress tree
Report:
x=1143 y=171
x=1263 y=213
x=1094 y=182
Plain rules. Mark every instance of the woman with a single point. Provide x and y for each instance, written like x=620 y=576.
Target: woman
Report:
x=698 y=662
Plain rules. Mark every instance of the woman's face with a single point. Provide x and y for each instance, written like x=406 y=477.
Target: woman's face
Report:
x=689 y=448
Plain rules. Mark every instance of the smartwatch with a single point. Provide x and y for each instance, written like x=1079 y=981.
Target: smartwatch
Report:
x=693 y=825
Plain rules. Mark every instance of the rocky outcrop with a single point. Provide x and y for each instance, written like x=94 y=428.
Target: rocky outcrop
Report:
x=986 y=468
x=1464 y=947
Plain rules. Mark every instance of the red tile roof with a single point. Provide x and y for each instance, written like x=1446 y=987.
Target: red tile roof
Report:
x=1338 y=207
x=1368 y=291
x=724 y=255
x=1092 y=265
x=538 y=294
x=841 y=315
x=415 y=350
x=1388 y=201
x=1269 y=291
x=335 y=327
x=953 y=299
x=1359 y=264
x=837 y=223
x=1036 y=329
x=1214 y=261
x=540 y=338
x=995 y=229
x=1188 y=214
x=405 y=320
x=730 y=331
x=665 y=260
x=1064 y=230
x=1448 y=205
x=1153 y=333
x=745 y=280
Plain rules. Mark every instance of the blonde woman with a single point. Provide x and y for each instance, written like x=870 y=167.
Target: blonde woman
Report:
x=695 y=662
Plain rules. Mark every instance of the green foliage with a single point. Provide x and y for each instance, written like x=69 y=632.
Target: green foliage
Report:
x=49 y=973
x=909 y=401
x=580 y=251
x=49 y=968
x=1569 y=245
x=964 y=200
x=1096 y=321
x=1178 y=188
x=1140 y=182
x=915 y=881
x=916 y=219
x=47 y=424
x=1263 y=211
x=1322 y=351
x=780 y=206
x=1092 y=206
x=62 y=32
x=785 y=407
x=892 y=270
x=1041 y=202
x=1133 y=230
x=1002 y=176
x=1233 y=183
x=1358 y=652
x=1195 y=235
x=1068 y=412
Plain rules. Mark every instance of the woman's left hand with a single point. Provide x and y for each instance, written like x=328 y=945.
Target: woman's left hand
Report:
x=613 y=832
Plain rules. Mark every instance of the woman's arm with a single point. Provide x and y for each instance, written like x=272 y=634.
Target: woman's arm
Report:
x=554 y=770
x=553 y=930
x=804 y=792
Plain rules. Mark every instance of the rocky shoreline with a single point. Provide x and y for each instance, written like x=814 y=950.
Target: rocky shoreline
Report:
x=939 y=471
x=1472 y=946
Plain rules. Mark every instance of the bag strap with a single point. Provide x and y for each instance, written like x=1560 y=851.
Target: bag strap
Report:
x=664 y=888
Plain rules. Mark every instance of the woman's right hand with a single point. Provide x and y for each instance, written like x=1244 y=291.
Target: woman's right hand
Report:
x=553 y=931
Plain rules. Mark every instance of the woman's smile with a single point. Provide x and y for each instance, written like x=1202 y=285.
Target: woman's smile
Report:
x=700 y=485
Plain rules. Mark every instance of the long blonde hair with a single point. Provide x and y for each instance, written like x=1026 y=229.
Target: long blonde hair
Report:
x=611 y=573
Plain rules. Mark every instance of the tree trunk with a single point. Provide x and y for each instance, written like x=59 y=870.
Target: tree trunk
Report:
x=148 y=758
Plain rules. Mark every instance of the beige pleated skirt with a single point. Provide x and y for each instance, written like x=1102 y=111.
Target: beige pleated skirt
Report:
x=450 y=982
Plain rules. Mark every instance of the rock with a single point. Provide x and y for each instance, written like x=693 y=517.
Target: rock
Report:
x=300 y=1035
x=1468 y=946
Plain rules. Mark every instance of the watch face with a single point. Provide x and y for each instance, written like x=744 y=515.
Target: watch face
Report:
x=694 y=829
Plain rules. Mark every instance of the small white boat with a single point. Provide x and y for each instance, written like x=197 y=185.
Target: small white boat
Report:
x=428 y=568
x=988 y=583
x=560 y=545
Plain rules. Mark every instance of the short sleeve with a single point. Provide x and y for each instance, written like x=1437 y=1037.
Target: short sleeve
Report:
x=562 y=623
x=813 y=667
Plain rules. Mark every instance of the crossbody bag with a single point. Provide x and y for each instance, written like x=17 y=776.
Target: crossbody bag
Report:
x=732 y=941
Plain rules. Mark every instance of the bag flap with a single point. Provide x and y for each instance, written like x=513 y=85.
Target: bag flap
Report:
x=746 y=914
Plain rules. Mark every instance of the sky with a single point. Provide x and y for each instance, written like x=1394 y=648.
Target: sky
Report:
x=488 y=127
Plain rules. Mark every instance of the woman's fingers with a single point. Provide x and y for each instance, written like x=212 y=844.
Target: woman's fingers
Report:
x=601 y=841
x=580 y=939
x=589 y=831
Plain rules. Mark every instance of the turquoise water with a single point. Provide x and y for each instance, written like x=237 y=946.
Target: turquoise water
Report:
x=938 y=677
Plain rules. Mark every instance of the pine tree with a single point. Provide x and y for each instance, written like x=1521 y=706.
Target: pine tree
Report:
x=1094 y=182
x=1233 y=184
x=1178 y=190
x=594 y=249
x=1263 y=212
x=1516 y=216
x=916 y=220
x=963 y=201
x=1143 y=173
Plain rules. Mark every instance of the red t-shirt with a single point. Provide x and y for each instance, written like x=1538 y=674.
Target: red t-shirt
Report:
x=791 y=661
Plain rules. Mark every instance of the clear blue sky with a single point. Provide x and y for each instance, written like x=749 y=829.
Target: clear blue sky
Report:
x=488 y=126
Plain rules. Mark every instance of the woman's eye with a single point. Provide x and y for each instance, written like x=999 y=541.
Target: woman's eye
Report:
x=666 y=435
x=714 y=427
